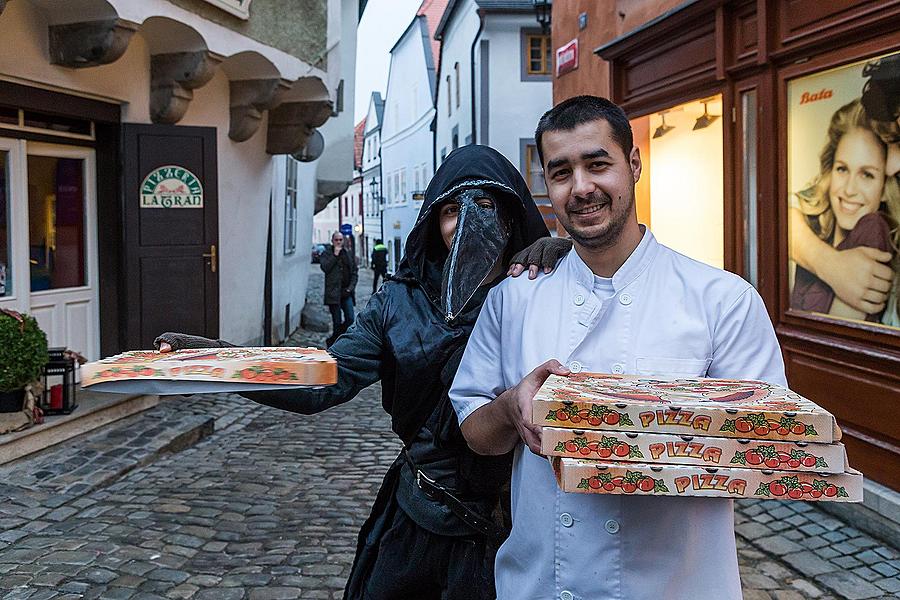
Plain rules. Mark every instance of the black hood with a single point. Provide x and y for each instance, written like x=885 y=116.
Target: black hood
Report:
x=468 y=167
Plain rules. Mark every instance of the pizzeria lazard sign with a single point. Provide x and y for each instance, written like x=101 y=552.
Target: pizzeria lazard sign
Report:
x=239 y=8
x=171 y=187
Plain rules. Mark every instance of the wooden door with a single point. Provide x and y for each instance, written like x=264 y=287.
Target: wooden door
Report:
x=171 y=232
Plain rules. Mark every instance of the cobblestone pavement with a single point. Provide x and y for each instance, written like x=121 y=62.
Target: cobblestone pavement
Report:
x=269 y=504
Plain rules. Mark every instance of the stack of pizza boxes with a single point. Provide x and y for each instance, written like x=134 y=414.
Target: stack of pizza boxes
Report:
x=620 y=434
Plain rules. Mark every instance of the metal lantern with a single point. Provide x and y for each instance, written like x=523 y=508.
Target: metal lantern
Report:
x=542 y=10
x=59 y=383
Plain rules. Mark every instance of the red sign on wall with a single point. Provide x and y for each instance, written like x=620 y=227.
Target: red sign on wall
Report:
x=567 y=57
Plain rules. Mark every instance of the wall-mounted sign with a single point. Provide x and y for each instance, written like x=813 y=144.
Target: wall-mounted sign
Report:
x=171 y=187
x=239 y=8
x=418 y=196
x=567 y=57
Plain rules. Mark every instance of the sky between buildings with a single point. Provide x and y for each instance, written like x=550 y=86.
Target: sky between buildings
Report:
x=380 y=28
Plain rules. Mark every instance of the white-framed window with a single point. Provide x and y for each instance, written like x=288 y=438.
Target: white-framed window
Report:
x=290 y=206
x=403 y=184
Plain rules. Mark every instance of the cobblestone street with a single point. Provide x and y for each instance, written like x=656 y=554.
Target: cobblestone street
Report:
x=267 y=505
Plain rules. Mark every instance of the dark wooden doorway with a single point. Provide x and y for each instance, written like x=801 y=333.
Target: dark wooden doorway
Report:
x=170 y=254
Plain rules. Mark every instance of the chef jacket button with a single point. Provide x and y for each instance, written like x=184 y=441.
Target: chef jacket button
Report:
x=618 y=368
x=612 y=527
x=566 y=520
x=578 y=299
x=575 y=366
x=566 y=595
x=625 y=299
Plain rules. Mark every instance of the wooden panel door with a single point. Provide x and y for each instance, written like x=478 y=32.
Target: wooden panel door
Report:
x=171 y=241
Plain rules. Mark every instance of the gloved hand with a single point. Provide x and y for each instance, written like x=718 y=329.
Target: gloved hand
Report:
x=170 y=341
x=543 y=254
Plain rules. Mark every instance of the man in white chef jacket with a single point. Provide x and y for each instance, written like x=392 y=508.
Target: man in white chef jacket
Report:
x=620 y=303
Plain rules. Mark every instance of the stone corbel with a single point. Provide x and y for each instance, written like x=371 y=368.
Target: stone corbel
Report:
x=172 y=77
x=291 y=124
x=89 y=43
x=248 y=99
x=326 y=191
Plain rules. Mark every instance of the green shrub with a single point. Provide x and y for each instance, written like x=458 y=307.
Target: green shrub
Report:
x=23 y=352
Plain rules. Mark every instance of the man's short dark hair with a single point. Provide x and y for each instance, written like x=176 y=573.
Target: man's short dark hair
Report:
x=378 y=240
x=569 y=114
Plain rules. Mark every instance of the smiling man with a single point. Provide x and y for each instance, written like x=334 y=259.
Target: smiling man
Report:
x=620 y=303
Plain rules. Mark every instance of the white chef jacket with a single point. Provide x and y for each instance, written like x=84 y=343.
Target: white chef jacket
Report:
x=669 y=316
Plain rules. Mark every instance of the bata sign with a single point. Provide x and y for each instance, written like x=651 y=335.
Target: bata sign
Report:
x=171 y=187
x=567 y=58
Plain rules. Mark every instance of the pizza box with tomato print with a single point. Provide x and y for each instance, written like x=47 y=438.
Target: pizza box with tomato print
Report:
x=706 y=407
x=642 y=479
x=210 y=370
x=665 y=448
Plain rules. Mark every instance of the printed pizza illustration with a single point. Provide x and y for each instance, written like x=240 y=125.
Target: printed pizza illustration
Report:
x=791 y=487
x=606 y=447
x=631 y=482
x=760 y=425
x=666 y=391
x=768 y=456
x=595 y=415
x=287 y=366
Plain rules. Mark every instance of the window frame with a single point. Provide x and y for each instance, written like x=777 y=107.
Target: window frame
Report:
x=527 y=73
x=290 y=206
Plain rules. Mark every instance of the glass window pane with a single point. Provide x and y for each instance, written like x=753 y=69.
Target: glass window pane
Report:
x=9 y=116
x=56 y=222
x=5 y=228
x=57 y=123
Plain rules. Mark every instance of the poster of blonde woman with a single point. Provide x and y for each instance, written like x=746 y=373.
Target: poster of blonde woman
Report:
x=844 y=185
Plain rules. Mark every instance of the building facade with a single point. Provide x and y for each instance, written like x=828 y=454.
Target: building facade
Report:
x=371 y=182
x=747 y=113
x=407 y=136
x=494 y=83
x=144 y=178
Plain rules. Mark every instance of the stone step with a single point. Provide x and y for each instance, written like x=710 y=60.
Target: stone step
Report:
x=94 y=410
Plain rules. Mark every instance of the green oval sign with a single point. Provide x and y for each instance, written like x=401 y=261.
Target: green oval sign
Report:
x=171 y=187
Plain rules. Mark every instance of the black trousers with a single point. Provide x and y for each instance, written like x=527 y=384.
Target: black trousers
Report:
x=378 y=273
x=396 y=559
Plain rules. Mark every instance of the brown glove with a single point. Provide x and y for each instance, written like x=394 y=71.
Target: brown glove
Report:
x=543 y=254
x=171 y=341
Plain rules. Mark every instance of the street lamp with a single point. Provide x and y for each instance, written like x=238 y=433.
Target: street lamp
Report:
x=375 y=189
x=542 y=10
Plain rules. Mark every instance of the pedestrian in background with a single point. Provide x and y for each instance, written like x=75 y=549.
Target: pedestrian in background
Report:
x=379 y=263
x=341 y=274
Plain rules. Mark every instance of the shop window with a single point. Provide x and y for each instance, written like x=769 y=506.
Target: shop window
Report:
x=748 y=187
x=843 y=192
x=537 y=58
x=290 y=207
x=680 y=194
x=56 y=212
x=56 y=123
x=534 y=172
x=5 y=228
x=9 y=116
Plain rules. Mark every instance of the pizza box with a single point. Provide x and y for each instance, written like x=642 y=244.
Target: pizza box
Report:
x=698 y=406
x=668 y=448
x=642 y=479
x=210 y=370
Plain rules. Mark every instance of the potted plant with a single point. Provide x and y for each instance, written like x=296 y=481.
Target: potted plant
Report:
x=23 y=353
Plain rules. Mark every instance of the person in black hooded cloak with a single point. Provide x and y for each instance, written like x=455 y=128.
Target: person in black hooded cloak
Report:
x=433 y=531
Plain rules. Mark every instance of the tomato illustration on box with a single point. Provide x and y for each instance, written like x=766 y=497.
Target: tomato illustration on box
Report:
x=697 y=406
x=662 y=448
x=599 y=477
x=278 y=366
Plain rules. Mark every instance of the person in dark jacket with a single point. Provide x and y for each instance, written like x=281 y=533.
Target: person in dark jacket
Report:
x=431 y=533
x=379 y=263
x=341 y=274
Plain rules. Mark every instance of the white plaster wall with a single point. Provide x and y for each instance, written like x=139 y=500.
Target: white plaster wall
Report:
x=515 y=105
x=245 y=171
x=455 y=47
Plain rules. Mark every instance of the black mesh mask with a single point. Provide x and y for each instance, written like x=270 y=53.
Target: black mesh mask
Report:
x=478 y=243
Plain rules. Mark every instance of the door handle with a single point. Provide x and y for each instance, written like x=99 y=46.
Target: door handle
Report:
x=213 y=259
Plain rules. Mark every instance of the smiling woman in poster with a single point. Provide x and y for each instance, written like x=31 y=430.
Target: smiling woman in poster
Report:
x=845 y=221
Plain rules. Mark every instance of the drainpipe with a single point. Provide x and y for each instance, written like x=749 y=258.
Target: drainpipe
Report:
x=472 y=69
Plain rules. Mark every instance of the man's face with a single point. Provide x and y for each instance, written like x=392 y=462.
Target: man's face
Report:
x=337 y=241
x=590 y=182
x=448 y=216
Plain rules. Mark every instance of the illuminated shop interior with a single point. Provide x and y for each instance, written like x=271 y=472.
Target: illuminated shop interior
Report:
x=680 y=193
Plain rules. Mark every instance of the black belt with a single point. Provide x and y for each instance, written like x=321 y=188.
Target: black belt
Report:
x=439 y=493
